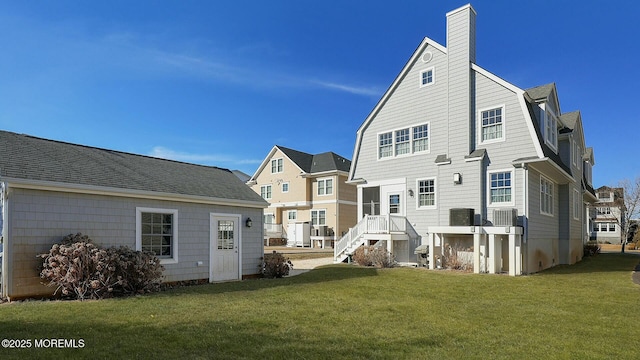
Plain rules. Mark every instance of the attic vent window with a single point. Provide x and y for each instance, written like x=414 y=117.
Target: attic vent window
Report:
x=426 y=57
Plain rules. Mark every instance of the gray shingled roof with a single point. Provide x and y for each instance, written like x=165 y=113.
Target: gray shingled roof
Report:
x=540 y=92
x=31 y=158
x=328 y=161
x=570 y=119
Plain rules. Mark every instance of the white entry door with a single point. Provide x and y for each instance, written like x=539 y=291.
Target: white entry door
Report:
x=392 y=202
x=225 y=255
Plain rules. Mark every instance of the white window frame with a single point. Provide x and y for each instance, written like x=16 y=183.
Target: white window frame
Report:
x=283 y=186
x=264 y=193
x=413 y=138
x=295 y=215
x=512 y=202
x=433 y=77
x=393 y=153
x=278 y=164
x=389 y=145
x=406 y=144
x=316 y=214
x=550 y=129
x=550 y=196
x=502 y=122
x=174 y=227
x=435 y=194
x=576 y=204
x=322 y=184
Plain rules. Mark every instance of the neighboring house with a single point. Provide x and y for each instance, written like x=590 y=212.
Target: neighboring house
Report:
x=310 y=201
x=244 y=177
x=457 y=160
x=193 y=217
x=607 y=215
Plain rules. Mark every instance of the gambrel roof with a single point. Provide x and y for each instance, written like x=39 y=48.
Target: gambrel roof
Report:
x=41 y=162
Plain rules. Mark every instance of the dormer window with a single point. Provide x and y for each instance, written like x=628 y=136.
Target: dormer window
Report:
x=550 y=129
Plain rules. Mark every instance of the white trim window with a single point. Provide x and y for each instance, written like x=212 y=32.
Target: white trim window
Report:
x=576 y=204
x=157 y=232
x=501 y=187
x=427 y=77
x=325 y=187
x=550 y=129
x=426 y=193
x=285 y=187
x=265 y=192
x=546 y=196
x=277 y=166
x=292 y=215
x=421 y=138
x=403 y=143
x=577 y=154
x=492 y=124
x=318 y=217
x=385 y=145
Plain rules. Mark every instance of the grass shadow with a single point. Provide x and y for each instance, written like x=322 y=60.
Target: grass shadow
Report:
x=604 y=262
x=322 y=274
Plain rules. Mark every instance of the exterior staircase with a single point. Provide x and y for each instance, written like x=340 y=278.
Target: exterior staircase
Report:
x=371 y=227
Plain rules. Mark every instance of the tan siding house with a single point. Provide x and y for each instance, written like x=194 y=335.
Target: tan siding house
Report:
x=310 y=202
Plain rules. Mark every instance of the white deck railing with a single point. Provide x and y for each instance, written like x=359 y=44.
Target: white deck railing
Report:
x=370 y=224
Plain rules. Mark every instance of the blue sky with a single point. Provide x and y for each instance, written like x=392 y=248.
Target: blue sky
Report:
x=221 y=82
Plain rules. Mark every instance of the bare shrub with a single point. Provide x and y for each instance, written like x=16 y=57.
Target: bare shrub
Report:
x=82 y=270
x=373 y=256
x=453 y=259
x=275 y=265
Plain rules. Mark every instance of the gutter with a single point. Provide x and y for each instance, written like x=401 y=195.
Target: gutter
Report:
x=130 y=193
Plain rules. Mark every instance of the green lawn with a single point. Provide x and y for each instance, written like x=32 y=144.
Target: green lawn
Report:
x=586 y=311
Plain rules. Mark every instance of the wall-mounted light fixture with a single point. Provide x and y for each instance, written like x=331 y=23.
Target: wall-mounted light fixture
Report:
x=248 y=223
x=457 y=178
x=410 y=192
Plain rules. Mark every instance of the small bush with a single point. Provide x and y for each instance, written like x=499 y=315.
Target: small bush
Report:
x=82 y=270
x=591 y=249
x=452 y=259
x=275 y=265
x=373 y=256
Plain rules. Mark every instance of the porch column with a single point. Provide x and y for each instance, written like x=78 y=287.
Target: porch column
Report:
x=432 y=250
x=483 y=253
x=515 y=259
x=476 y=253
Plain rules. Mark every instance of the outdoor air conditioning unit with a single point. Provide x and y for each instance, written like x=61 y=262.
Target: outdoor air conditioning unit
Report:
x=505 y=217
x=461 y=217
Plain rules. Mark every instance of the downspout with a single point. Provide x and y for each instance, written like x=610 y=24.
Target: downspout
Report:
x=525 y=219
x=4 y=281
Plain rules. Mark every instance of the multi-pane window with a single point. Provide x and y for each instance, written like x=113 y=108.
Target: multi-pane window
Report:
x=492 y=124
x=546 y=196
x=285 y=187
x=577 y=154
x=226 y=238
x=403 y=145
x=394 y=204
x=325 y=187
x=385 y=145
x=551 y=129
x=318 y=217
x=405 y=141
x=612 y=227
x=157 y=233
x=276 y=166
x=603 y=210
x=426 y=193
x=420 y=138
x=265 y=192
x=604 y=227
x=426 y=77
x=500 y=189
x=292 y=214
